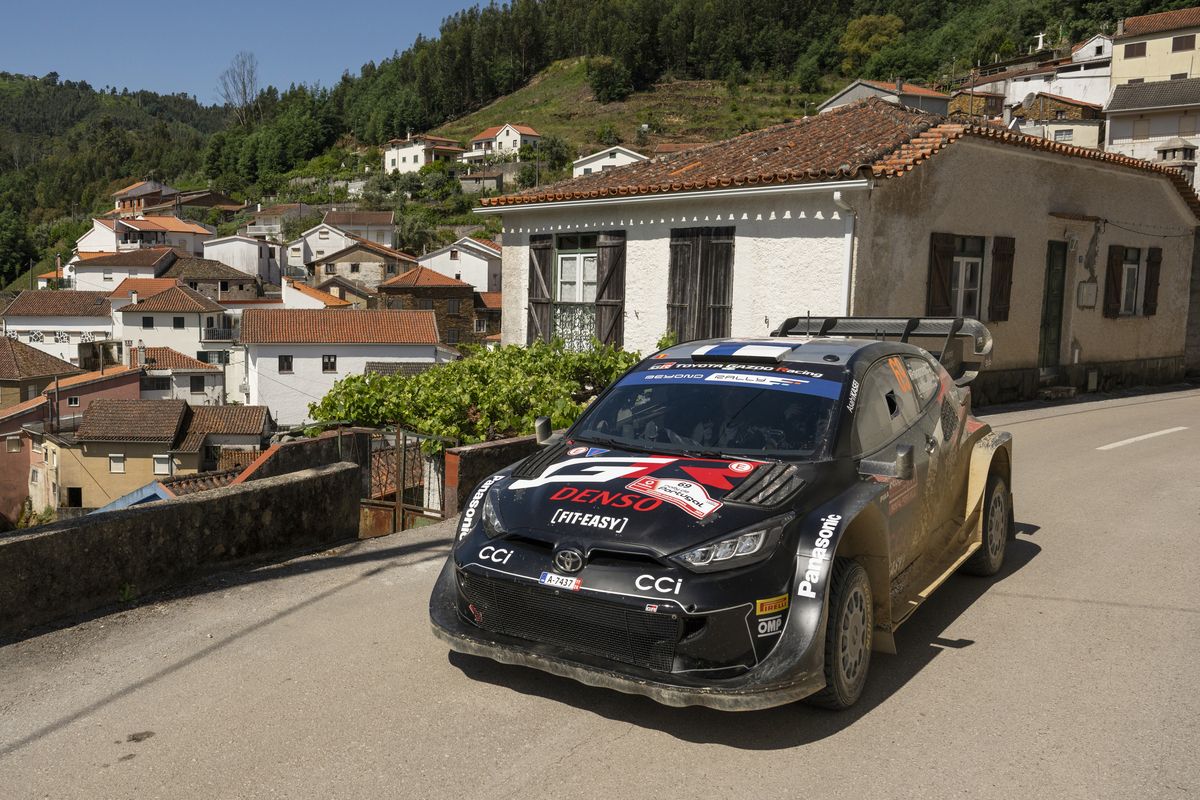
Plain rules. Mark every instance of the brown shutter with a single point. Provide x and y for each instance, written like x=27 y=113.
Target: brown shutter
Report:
x=941 y=261
x=1112 y=281
x=1003 y=248
x=716 y=282
x=610 y=288
x=541 y=276
x=1153 y=267
x=681 y=278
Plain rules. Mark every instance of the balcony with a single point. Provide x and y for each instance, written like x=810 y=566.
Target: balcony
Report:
x=217 y=335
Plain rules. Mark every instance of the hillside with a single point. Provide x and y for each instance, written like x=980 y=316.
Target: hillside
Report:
x=558 y=101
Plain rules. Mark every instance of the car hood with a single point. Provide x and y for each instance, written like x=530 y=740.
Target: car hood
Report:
x=606 y=499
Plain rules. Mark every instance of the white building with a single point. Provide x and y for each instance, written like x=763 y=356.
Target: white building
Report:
x=1158 y=121
x=294 y=357
x=297 y=295
x=319 y=240
x=267 y=222
x=1086 y=77
x=899 y=92
x=500 y=140
x=58 y=322
x=373 y=226
x=409 y=155
x=133 y=233
x=181 y=319
x=471 y=260
x=608 y=158
x=246 y=254
x=172 y=375
x=105 y=273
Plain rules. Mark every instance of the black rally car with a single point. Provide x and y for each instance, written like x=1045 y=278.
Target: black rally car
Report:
x=737 y=524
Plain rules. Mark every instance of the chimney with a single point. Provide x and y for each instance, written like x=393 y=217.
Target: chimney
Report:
x=141 y=354
x=899 y=85
x=1120 y=27
x=132 y=296
x=1007 y=114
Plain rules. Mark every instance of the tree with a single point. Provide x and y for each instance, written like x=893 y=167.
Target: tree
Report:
x=865 y=36
x=15 y=248
x=238 y=87
x=610 y=80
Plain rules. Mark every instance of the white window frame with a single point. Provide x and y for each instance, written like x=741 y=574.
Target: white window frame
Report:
x=1064 y=135
x=162 y=464
x=116 y=463
x=480 y=325
x=73 y=402
x=578 y=284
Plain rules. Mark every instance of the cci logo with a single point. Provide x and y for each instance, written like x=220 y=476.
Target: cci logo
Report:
x=663 y=585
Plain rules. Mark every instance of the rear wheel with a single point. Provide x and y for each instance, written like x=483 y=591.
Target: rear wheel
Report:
x=997 y=524
x=848 y=634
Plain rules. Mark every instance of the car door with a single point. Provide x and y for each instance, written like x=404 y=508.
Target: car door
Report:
x=887 y=417
x=941 y=422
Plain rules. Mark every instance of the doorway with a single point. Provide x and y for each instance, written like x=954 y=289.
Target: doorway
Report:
x=1050 y=345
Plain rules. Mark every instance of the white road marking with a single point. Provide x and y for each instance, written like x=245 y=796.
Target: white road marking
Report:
x=1144 y=436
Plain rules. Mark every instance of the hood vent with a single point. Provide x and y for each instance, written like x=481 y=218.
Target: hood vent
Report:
x=536 y=464
x=768 y=486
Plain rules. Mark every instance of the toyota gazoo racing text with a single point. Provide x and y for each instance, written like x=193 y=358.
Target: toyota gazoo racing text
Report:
x=737 y=524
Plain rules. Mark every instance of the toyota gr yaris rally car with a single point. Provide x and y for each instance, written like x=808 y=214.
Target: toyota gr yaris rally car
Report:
x=737 y=524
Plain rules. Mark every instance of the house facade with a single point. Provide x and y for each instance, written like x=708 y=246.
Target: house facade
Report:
x=1156 y=47
x=168 y=374
x=900 y=92
x=500 y=140
x=377 y=227
x=451 y=301
x=1014 y=231
x=608 y=158
x=316 y=242
x=409 y=155
x=254 y=257
x=362 y=262
x=60 y=323
x=267 y=222
x=293 y=357
x=105 y=273
x=214 y=279
x=133 y=199
x=1157 y=121
x=133 y=233
x=182 y=319
x=25 y=371
x=471 y=260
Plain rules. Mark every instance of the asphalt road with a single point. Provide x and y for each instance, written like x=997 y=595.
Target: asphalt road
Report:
x=1074 y=675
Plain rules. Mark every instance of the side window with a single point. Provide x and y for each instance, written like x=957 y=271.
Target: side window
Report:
x=887 y=405
x=924 y=378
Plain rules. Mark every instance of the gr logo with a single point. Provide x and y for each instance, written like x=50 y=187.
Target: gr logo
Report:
x=663 y=585
x=770 y=626
x=497 y=555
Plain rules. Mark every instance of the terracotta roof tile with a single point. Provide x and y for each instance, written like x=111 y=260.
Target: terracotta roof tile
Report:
x=666 y=148
x=488 y=243
x=167 y=358
x=194 y=482
x=340 y=218
x=23 y=407
x=177 y=298
x=19 y=362
x=490 y=300
x=336 y=326
x=192 y=268
x=64 y=303
x=1162 y=22
x=422 y=276
x=146 y=257
x=228 y=420
x=95 y=376
x=328 y=299
x=169 y=224
x=110 y=420
x=88 y=256
x=1071 y=101
x=490 y=133
x=145 y=287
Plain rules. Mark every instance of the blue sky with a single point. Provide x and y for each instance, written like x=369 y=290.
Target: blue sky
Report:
x=181 y=46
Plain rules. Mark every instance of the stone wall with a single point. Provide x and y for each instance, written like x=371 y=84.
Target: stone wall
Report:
x=468 y=465
x=410 y=297
x=76 y=566
x=351 y=444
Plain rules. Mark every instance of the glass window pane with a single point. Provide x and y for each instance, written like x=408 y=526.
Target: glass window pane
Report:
x=589 y=268
x=566 y=269
x=566 y=292
x=589 y=292
x=568 y=243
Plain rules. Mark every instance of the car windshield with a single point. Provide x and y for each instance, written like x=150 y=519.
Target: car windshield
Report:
x=725 y=410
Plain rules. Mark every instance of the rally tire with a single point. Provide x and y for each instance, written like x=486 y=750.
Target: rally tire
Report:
x=848 y=634
x=997 y=527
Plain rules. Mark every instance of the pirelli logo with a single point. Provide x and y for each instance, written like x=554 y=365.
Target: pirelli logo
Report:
x=772 y=605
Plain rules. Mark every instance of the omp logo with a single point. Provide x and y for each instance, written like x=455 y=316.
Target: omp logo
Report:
x=593 y=470
x=770 y=626
x=771 y=605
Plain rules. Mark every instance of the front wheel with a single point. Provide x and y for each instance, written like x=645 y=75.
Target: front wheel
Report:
x=848 y=634
x=997 y=523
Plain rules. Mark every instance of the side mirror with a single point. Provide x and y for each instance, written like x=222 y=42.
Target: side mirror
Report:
x=901 y=468
x=541 y=429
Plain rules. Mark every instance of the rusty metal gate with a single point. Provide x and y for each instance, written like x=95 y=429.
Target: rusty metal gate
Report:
x=407 y=481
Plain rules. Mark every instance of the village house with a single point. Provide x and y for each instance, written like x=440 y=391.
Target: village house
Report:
x=356 y=294
x=378 y=227
x=213 y=279
x=316 y=242
x=168 y=374
x=60 y=322
x=1079 y=261
x=267 y=223
x=1157 y=121
x=1156 y=47
x=1085 y=75
x=489 y=308
x=363 y=262
x=293 y=357
x=1060 y=119
x=134 y=233
x=133 y=199
x=409 y=155
x=196 y=203
x=104 y=273
x=25 y=371
x=297 y=295
x=452 y=302
x=182 y=319
x=476 y=261
x=899 y=92
x=250 y=256
x=500 y=141
x=608 y=158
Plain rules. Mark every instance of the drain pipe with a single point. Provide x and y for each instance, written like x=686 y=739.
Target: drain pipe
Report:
x=850 y=215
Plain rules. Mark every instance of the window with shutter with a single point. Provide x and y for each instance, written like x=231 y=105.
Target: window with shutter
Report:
x=941 y=263
x=610 y=288
x=1150 y=295
x=1112 y=281
x=541 y=275
x=1003 y=248
x=700 y=283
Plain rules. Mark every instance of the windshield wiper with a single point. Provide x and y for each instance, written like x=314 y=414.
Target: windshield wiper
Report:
x=610 y=442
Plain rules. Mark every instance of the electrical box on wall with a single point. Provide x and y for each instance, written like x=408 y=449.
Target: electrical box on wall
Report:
x=1086 y=294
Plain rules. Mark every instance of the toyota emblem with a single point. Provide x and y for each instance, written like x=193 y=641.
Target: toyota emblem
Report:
x=570 y=560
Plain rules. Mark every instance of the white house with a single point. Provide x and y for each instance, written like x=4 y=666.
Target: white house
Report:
x=1086 y=77
x=500 y=140
x=267 y=223
x=294 y=357
x=809 y=217
x=1158 y=121
x=409 y=155
x=298 y=295
x=471 y=260
x=246 y=254
x=58 y=322
x=181 y=319
x=607 y=158
x=105 y=273
x=172 y=375
x=133 y=233
x=373 y=226
x=317 y=241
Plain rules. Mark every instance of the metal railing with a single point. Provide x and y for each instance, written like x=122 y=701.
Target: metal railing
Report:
x=217 y=335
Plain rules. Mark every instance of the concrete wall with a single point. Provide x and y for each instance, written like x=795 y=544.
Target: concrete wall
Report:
x=77 y=566
x=789 y=258
x=979 y=189
x=106 y=279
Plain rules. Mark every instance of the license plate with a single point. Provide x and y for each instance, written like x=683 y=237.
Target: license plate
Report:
x=560 y=581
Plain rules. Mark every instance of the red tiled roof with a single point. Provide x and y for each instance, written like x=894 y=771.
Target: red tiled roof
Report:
x=1162 y=22
x=430 y=138
x=88 y=256
x=52 y=275
x=490 y=133
x=95 y=376
x=666 y=148
x=145 y=287
x=329 y=300
x=868 y=137
x=111 y=420
x=340 y=218
x=20 y=362
x=422 y=276
x=490 y=300
x=177 y=298
x=1068 y=100
x=488 y=243
x=22 y=407
x=334 y=326
x=907 y=88
x=65 y=303
x=191 y=483
x=145 y=257
x=227 y=420
x=169 y=224
x=167 y=358
x=129 y=188
x=366 y=244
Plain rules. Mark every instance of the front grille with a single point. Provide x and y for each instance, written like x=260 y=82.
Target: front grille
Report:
x=574 y=621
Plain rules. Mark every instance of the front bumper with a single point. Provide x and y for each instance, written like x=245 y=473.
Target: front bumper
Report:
x=793 y=671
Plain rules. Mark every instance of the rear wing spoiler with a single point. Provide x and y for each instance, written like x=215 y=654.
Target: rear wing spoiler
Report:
x=974 y=335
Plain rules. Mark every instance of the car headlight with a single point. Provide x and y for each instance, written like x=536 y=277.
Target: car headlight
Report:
x=747 y=546
x=493 y=525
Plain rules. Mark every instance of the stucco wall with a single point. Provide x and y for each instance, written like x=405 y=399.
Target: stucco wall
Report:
x=86 y=466
x=470 y=267
x=978 y=189
x=76 y=566
x=75 y=327
x=1159 y=63
x=789 y=258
